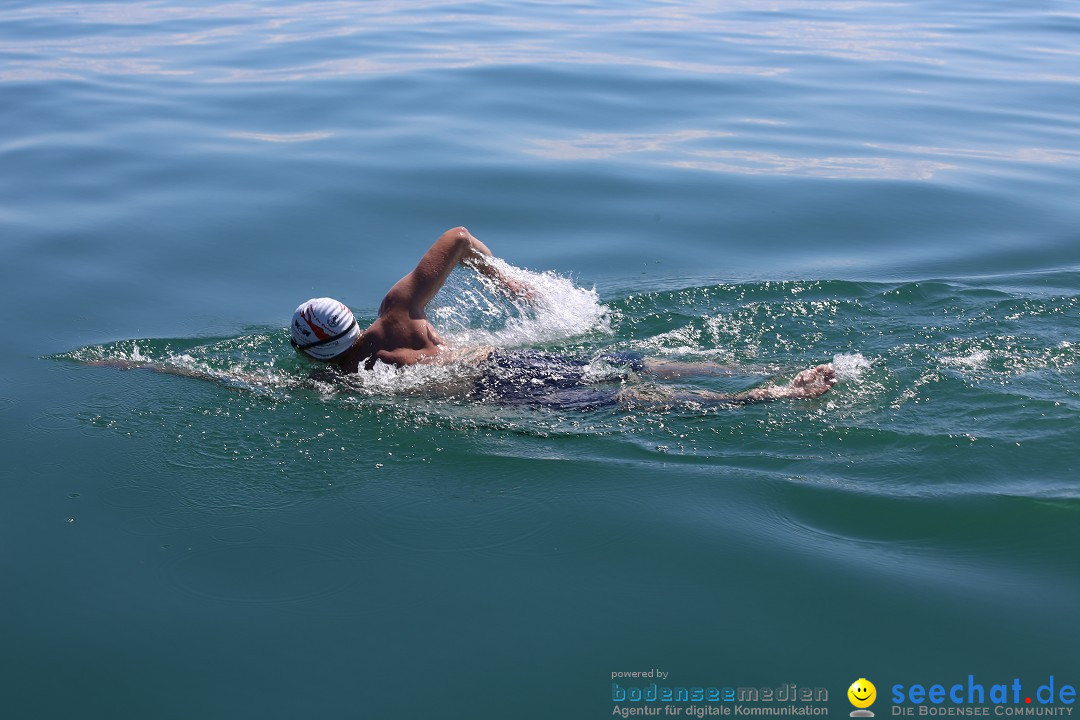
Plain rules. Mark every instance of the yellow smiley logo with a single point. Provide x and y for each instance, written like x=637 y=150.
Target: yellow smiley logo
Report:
x=862 y=693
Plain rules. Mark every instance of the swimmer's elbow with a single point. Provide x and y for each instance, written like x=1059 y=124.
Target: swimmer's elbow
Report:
x=457 y=238
x=465 y=244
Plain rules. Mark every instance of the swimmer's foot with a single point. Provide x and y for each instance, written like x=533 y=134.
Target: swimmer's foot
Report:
x=808 y=384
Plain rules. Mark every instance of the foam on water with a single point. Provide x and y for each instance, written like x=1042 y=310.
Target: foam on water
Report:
x=385 y=379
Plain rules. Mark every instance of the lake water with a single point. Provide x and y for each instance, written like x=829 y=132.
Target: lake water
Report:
x=890 y=186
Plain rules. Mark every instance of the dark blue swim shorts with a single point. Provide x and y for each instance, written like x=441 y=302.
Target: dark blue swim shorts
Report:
x=553 y=379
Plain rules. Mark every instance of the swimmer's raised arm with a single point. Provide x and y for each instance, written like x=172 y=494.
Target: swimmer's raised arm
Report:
x=455 y=246
x=415 y=290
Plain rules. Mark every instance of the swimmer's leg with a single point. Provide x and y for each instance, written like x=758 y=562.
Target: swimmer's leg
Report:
x=807 y=384
x=673 y=370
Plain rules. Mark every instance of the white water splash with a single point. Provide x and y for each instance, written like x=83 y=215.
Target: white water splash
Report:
x=475 y=310
x=420 y=379
x=850 y=366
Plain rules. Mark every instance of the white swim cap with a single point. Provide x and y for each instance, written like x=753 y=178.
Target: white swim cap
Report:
x=323 y=328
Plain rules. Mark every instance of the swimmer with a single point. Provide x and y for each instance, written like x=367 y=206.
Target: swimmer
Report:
x=325 y=330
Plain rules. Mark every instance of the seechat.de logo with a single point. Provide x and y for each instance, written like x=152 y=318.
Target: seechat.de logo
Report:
x=862 y=695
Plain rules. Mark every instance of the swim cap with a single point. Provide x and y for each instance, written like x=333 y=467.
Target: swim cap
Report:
x=323 y=328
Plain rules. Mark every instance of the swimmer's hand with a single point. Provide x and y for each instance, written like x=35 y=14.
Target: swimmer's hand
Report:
x=480 y=260
x=519 y=289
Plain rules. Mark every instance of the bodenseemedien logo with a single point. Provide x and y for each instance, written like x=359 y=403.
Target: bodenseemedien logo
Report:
x=862 y=694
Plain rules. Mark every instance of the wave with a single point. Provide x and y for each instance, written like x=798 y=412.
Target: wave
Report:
x=941 y=368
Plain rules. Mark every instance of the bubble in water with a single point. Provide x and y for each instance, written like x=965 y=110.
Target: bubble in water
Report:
x=971 y=361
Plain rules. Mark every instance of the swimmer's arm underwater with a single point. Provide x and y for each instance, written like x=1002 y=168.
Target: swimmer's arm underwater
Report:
x=122 y=364
x=234 y=380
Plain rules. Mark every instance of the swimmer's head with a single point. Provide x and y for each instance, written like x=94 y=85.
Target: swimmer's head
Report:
x=323 y=328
